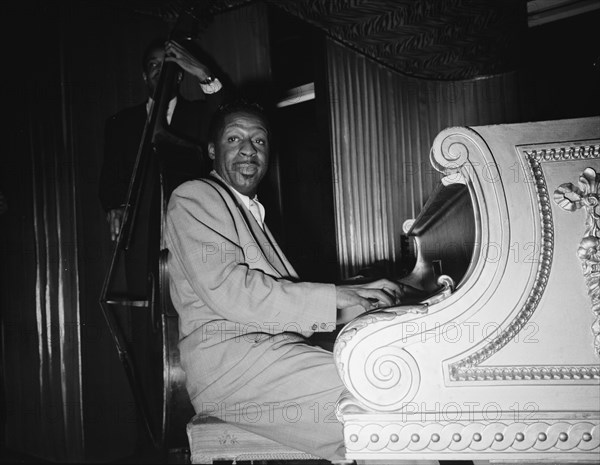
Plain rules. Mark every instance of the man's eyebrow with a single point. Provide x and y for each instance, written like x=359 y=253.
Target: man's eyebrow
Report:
x=244 y=126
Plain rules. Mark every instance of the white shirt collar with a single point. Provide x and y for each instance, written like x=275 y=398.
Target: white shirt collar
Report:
x=244 y=198
x=170 y=109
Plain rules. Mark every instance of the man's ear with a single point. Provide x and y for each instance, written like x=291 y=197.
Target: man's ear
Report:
x=144 y=76
x=211 y=150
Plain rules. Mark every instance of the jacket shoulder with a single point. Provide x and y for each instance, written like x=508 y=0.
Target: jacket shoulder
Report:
x=203 y=191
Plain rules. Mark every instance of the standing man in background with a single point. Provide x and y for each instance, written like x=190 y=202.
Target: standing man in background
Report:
x=174 y=162
x=123 y=133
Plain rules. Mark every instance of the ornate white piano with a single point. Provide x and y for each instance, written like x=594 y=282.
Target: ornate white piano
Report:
x=501 y=361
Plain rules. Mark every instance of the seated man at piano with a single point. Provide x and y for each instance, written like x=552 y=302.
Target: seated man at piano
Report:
x=244 y=313
x=124 y=134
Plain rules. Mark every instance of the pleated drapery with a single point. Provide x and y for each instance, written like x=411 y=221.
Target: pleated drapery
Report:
x=383 y=125
x=57 y=287
x=42 y=359
x=64 y=395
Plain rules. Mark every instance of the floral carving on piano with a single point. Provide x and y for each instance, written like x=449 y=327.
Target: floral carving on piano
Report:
x=587 y=196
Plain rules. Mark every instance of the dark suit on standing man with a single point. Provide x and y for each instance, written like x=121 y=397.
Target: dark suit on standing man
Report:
x=123 y=134
x=174 y=162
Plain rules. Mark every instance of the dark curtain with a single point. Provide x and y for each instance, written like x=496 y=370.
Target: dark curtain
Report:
x=103 y=58
x=383 y=124
x=71 y=65
x=41 y=318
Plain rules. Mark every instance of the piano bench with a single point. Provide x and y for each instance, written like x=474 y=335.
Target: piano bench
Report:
x=212 y=439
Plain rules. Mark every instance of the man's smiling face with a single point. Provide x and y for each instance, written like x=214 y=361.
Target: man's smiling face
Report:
x=241 y=152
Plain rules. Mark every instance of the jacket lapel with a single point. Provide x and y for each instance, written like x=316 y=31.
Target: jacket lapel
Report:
x=263 y=239
x=291 y=272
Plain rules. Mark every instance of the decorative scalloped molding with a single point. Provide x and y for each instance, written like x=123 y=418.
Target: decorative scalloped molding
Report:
x=563 y=152
x=468 y=369
x=531 y=373
x=539 y=436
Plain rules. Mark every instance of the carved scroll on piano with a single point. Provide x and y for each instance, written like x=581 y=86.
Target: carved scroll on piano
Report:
x=504 y=364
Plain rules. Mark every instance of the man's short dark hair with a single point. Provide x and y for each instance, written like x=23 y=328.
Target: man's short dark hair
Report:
x=155 y=44
x=217 y=123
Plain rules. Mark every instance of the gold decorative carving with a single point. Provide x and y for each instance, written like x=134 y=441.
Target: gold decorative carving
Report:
x=587 y=196
x=540 y=436
x=468 y=369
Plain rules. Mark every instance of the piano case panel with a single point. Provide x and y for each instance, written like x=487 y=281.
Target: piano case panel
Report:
x=501 y=362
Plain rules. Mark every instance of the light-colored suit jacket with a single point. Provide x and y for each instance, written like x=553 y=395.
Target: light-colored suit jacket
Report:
x=237 y=296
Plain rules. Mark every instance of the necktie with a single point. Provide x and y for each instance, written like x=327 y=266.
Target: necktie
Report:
x=255 y=210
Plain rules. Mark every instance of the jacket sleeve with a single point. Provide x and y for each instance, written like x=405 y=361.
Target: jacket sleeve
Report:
x=202 y=238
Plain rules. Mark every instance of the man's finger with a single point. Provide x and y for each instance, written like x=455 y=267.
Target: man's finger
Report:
x=384 y=284
x=397 y=294
x=381 y=296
